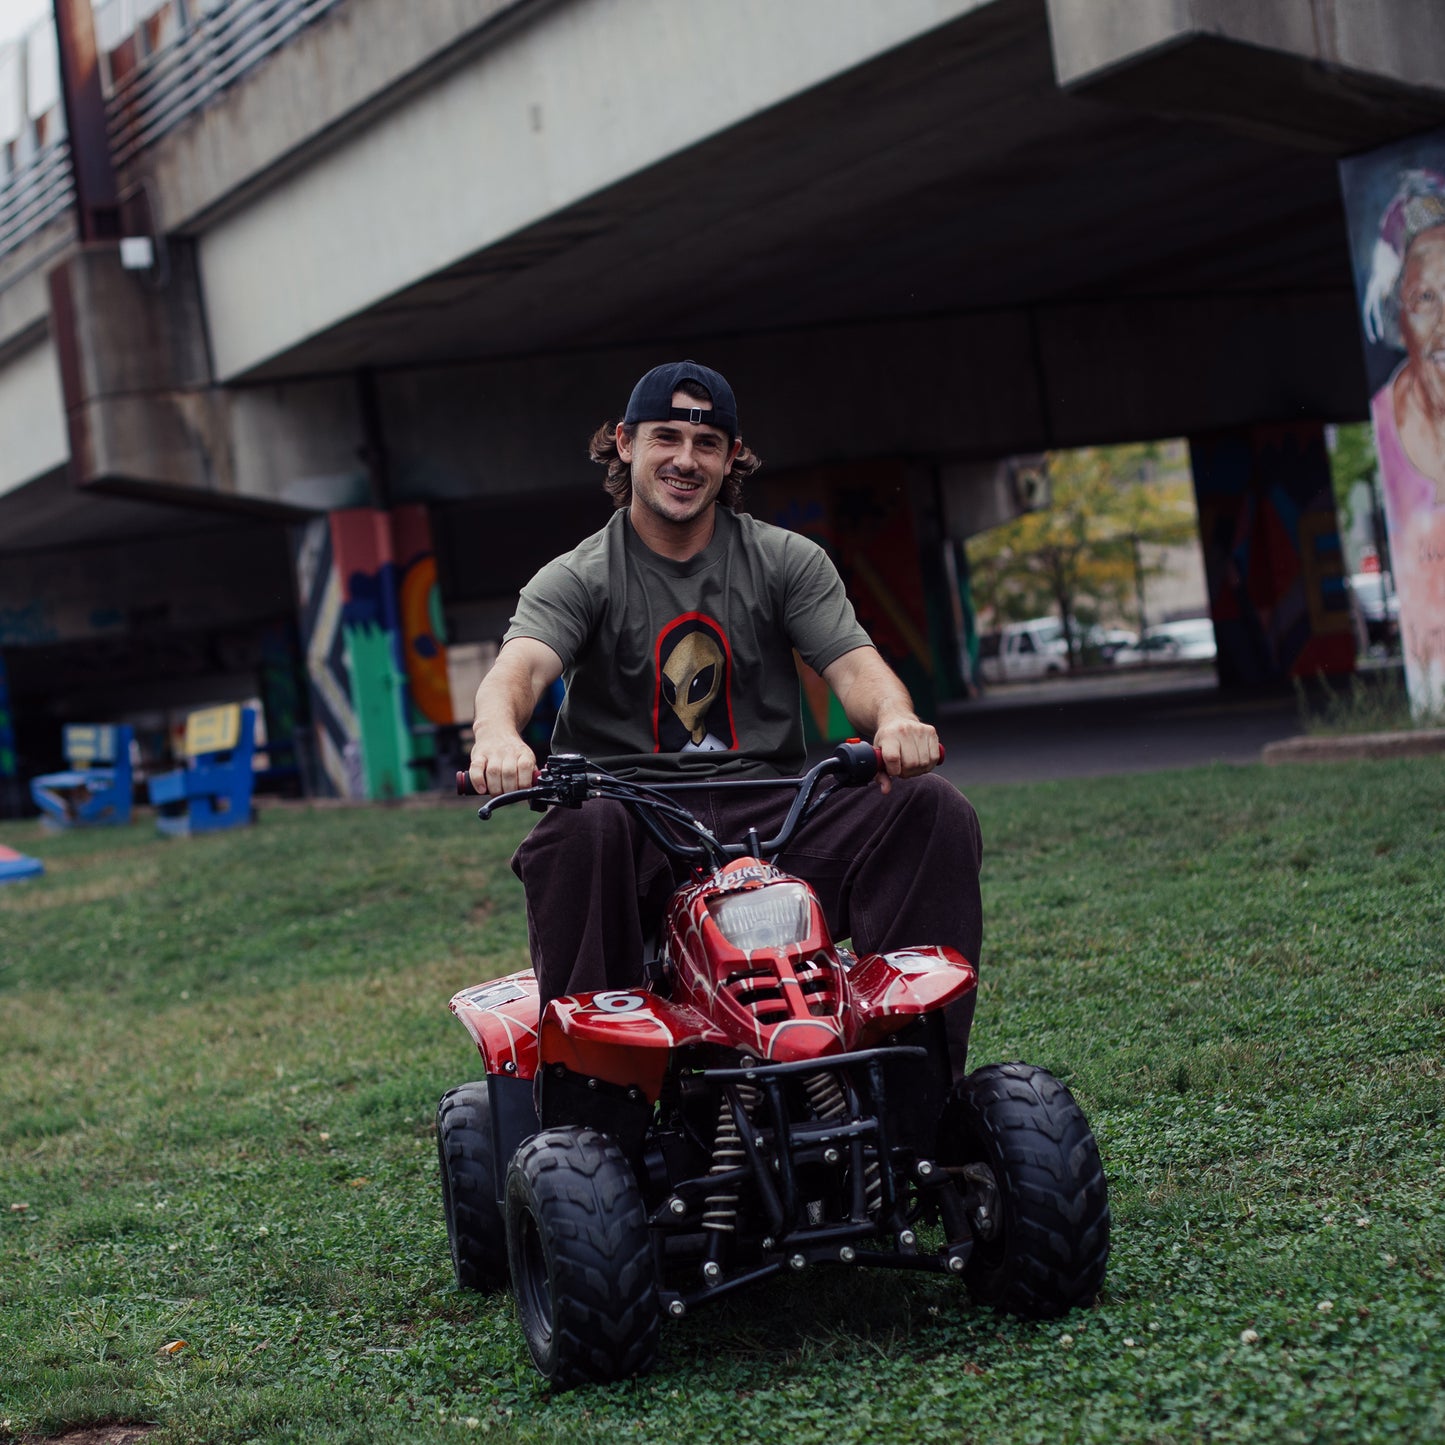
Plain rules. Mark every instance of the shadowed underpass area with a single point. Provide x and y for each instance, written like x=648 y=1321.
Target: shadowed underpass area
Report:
x=1092 y=726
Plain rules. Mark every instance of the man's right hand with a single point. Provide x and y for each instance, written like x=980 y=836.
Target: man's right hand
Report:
x=501 y=765
x=506 y=697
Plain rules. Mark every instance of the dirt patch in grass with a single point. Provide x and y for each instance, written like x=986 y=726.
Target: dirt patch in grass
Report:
x=95 y=1435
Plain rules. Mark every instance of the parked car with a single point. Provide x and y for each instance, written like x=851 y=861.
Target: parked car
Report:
x=1379 y=606
x=1105 y=643
x=1023 y=650
x=1191 y=640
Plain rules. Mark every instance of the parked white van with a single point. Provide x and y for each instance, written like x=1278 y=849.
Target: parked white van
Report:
x=1021 y=650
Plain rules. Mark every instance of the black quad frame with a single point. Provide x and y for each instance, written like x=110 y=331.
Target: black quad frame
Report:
x=777 y=1150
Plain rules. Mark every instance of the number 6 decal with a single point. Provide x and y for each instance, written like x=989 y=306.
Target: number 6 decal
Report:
x=619 y=1003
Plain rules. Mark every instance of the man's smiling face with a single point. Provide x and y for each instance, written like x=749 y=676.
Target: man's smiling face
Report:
x=677 y=466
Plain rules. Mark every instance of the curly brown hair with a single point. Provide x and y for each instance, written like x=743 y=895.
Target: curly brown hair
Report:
x=603 y=450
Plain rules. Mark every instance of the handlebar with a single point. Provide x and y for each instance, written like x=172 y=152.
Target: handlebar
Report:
x=568 y=780
x=466 y=790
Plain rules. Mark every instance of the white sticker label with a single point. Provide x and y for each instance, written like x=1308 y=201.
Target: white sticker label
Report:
x=619 y=1003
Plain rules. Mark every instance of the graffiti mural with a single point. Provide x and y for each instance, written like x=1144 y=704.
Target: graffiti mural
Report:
x=1395 y=208
x=9 y=763
x=27 y=626
x=375 y=648
x=370 y=624
x=337 y=731
x=862 y=515
x=1272 y=555
x=423 y=632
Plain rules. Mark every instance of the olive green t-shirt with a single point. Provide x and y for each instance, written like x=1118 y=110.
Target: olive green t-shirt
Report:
x=676 y=669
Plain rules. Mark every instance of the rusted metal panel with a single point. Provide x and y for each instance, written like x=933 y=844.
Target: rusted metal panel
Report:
x=90 y=160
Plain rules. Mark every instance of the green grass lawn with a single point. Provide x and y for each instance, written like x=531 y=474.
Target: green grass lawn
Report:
x=220 y=1056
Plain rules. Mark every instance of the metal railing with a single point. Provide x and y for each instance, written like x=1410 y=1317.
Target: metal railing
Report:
x=224 y=42
x=215 y=44
x=34 y=194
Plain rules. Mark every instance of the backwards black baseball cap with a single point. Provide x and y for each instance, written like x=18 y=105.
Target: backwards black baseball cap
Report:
x=651 y=398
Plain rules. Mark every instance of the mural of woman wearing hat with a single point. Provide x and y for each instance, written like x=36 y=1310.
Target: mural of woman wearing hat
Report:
x=1403 y=304
x=1409 y=313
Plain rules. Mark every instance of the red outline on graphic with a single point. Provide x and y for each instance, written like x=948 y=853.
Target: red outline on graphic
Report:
x=657 y=673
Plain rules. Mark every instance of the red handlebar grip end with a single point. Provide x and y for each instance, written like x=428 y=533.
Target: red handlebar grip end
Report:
x=464 y=785
x=941 y=753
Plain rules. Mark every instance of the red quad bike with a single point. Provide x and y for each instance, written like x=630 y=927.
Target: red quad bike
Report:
x=764 y=1101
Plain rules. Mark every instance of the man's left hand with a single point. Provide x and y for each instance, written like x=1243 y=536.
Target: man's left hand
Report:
x=909 y=747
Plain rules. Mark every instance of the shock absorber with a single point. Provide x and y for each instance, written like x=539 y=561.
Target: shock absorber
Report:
x=825 y=1094
x=720 y=1210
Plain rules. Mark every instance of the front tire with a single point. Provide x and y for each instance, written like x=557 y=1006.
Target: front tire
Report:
x=1030 y=1170
x=475 y=1229
x=581 y=1259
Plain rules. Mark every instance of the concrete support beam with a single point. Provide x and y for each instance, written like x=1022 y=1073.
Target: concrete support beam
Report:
x=32 y=417
x=1325 y=75
x=972 y=387
x=144 y=418
x=560 y=110
x=330 y=79
x=24 y=296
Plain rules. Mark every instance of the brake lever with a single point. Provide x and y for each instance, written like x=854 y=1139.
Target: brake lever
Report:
x=535 y=798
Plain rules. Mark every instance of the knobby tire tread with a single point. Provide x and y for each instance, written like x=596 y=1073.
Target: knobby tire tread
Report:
x=1026 y=1125
x=581 y=1190
x=476 y=1231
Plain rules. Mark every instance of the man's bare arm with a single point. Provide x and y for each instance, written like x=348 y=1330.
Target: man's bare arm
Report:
x=523 y=671
x=878 y=705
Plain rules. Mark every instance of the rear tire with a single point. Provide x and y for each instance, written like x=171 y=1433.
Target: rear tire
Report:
x=581 y=1259
x=475 y=1229
x=1044 y=1243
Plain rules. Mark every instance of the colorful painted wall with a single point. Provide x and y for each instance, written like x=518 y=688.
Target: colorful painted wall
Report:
x=864 y=515
x=1272 y=555
x=1395 y=207
x=8 y=761
x=375 y=648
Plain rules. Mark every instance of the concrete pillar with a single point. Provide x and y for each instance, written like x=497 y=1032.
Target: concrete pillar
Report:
x=1272 y=556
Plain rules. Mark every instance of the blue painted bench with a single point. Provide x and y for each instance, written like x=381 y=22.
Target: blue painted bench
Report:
x=96 y=788
x=213 y=790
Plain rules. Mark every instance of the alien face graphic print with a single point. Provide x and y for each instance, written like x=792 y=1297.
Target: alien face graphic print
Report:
x=693 y=711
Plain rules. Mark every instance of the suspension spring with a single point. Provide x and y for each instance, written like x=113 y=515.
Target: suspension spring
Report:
x=720 y=1211
x=825 y=1094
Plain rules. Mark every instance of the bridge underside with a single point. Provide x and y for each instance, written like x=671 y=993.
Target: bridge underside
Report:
x=938 y=252
x=1012 y=229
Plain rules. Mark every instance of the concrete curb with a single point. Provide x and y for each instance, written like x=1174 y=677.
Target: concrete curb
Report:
x=1421 y=743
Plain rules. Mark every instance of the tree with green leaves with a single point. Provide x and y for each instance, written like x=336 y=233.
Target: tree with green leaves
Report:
x=1353 y=464
x=1084 y=558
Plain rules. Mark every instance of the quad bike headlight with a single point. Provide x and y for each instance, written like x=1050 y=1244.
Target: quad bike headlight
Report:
x=770 y=917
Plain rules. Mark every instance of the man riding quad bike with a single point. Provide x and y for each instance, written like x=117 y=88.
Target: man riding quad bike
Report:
x=676 y=629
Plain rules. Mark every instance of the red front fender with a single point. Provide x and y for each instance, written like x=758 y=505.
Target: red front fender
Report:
x=891 y=989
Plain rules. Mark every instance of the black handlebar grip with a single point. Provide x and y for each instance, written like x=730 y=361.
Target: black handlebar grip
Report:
x=464 y=786
x=862 y=762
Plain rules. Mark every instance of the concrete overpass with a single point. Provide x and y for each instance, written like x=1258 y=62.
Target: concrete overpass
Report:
x=411 y=255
